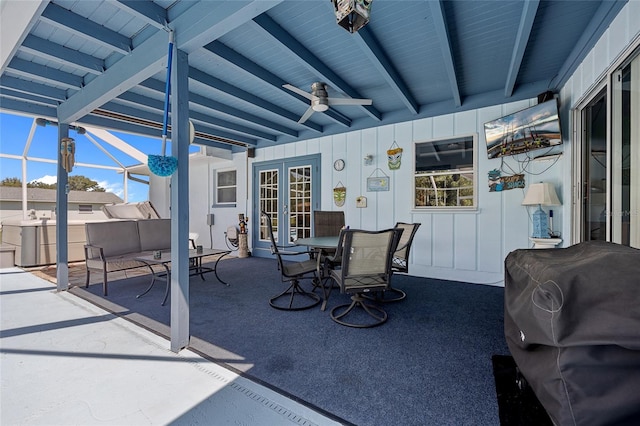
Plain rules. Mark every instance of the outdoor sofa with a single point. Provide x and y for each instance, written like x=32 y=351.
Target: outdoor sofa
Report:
x=114 y=245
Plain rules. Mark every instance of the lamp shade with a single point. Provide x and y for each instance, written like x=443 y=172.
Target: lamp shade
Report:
x=543 y=194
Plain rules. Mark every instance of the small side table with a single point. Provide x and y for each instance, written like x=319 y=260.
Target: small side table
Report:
x=545 y=243
x=243 y=245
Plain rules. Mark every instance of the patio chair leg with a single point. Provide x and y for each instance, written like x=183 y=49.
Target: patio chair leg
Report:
x=326 y=289
x=386 y=296
x=357 y=301
x=104 y=282
x=86 y=283
x=292 y=293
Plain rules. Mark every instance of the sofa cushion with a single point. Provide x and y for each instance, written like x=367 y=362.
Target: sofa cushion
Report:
x=115 y=237
x=155 y=234
x=116 y=263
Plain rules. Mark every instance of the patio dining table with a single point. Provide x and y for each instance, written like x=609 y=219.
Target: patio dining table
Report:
x=195 y=267
x=318 y=244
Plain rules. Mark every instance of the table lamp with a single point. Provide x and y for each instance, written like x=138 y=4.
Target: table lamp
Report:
x=541 y=194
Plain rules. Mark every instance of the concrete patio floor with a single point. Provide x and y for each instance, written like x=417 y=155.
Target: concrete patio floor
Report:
x=65 y=361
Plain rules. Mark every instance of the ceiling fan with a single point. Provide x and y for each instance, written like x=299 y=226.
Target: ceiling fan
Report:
x=320 y=100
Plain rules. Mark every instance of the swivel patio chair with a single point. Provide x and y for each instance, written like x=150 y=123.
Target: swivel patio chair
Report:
x=294 y=298
x=327 y=224
x=401 y=256
x=365 y=267
x=400 y=261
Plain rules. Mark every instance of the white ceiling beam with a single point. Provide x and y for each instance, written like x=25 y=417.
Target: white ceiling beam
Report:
x=440 y=26
x=529 y=10
x=197 y=26
x=148 y=11
x=379 y=59
x=82 y=27
x=16 y=20
x=142 y=63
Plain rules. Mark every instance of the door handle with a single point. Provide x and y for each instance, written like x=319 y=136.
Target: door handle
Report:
x=285 y=209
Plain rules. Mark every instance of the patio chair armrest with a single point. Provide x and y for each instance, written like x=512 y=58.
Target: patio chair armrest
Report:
x=91 y=247
x=401 y=247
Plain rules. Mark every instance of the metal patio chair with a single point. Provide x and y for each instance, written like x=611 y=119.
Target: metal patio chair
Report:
x=294 y=297
x=365 y=267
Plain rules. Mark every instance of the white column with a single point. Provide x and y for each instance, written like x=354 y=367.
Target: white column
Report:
x=180 y=202
x=62 y=207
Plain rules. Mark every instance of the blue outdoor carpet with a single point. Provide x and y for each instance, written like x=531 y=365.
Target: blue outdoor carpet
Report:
x=430 y=364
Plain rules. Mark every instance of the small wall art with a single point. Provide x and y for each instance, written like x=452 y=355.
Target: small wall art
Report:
x=361 y=201
x=498 y=183
x=376 y=183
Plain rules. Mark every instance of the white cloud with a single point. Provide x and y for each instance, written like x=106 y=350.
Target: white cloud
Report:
x=116 y=188
x=47 y=179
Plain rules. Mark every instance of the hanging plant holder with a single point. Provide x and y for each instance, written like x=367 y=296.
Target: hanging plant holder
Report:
x=162 y=165
x=339 y=194
x=394 y=156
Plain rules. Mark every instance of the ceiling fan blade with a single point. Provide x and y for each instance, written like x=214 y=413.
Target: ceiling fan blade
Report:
x=306 y=115
x=298 y=91
x=349 y=101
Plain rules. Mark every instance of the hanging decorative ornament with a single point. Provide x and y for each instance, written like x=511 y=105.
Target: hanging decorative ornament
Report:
x=394 y=155
x=162 y=165
x=339 y=194
x=68 y=153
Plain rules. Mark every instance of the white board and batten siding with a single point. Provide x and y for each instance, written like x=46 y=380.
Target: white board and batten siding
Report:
x=454 y=245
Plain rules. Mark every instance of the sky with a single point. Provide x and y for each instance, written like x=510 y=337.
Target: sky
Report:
x=14 y=132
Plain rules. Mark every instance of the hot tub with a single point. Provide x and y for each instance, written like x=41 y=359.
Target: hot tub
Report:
x=35 y=240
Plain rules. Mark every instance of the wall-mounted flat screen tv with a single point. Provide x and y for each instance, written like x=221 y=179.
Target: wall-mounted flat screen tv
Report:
x=536 y=127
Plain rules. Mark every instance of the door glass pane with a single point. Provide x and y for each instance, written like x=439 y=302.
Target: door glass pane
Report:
x=300 y=202
x=268 y=201
x=595 y=170
x=625 y=177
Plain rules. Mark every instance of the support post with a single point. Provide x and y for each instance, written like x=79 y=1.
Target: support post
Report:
x=62 y=207
x=180 y=202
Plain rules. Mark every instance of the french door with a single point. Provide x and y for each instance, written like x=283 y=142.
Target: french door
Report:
x=609 y=189
x=289 y=191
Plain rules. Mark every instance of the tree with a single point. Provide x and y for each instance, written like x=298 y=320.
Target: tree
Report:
x=76 y=183
x=11 y=181
x=41 y=185
x=83 y=183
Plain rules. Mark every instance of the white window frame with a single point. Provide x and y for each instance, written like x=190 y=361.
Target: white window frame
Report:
x=218 y=187
x=474 y=171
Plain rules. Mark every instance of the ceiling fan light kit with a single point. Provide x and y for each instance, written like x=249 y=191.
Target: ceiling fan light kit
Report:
x=320 y=100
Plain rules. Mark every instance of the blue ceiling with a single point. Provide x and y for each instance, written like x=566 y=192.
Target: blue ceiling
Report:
x=103 y=63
